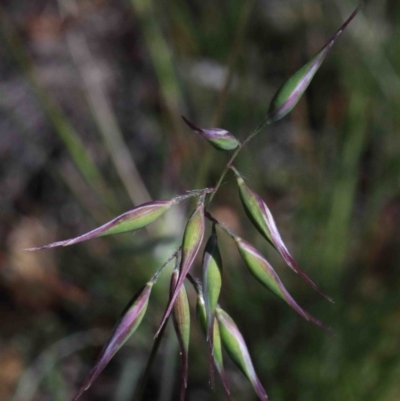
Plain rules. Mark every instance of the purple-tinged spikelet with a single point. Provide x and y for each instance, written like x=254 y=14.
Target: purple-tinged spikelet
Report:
x=291 y=91
x=126 y=326
x=211 y=278
x=192 y=239
x=267 y=276
x=235 y=345
x=220 y=138
x=135 y=219
x=181 y=317
x=216 y=350
x=261 y=217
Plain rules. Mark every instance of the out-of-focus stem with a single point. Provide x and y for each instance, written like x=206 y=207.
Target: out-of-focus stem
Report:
x=223 y=94
x=103 y=113
x=63 y=127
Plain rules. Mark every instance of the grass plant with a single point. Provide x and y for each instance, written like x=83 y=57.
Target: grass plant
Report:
x=316 y=192
x=209 y=288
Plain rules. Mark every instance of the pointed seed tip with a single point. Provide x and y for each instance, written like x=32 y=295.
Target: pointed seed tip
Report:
x=190 y=124
x=159 y=329
x=327 y=328
x=78 y=394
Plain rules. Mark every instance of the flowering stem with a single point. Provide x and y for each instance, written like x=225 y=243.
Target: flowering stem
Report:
x=193 y=193
x=175 y=255
x=235 y=155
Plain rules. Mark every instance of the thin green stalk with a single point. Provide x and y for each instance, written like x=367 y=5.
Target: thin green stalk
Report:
x=175 y=255
x=223 y=94
x=162 y=59
x=234 y=156
x=232 y=60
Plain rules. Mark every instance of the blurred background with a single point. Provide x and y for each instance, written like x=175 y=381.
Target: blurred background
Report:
x=91 y=94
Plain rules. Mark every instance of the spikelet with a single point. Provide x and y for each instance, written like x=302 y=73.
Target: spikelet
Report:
x=267 y=276
x=192 y=239
x=220 y=138
x=181 y=318
x=130 y=320
x=291 y=91
x=135 y=219
x=211 y=278
x=235 y=345
x=261 y=217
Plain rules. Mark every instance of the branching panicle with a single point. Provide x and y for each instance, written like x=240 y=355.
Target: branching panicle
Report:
x=219 y=328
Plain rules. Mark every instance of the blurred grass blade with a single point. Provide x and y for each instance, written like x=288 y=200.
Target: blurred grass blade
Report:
x=126 y=326
x=74 y=145
x=267 y=276
x=219 y=138
x=212 y=279
x=261 y=217
x=221 y=105
x=181 y=317
x=235 y=345
x=192 y=239
x=137 y=218
x=150 y=20
x=291 y=91
x=103 y=114
x=216 y=350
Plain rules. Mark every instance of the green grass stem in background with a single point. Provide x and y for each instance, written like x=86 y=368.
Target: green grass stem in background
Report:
x=62 y=125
